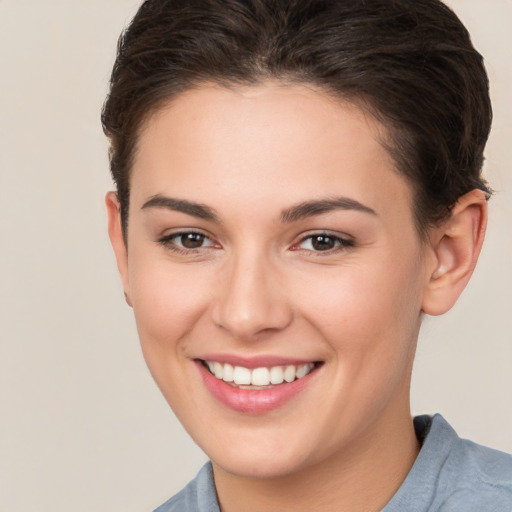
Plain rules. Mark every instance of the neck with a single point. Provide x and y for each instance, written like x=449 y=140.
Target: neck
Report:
x=359 y=478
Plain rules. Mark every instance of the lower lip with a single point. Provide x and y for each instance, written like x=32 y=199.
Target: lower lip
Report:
x=253 y=401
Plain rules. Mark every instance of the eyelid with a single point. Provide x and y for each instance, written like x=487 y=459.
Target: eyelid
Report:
x=343 y=242
x=167 y=241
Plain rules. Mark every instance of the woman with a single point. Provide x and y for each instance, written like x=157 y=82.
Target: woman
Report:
x=298 y=183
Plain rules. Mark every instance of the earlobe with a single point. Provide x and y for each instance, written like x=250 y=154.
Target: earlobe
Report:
x=456 y=245
x=115 y=232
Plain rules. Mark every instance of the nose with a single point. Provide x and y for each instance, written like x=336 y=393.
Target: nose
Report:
x=251 y=299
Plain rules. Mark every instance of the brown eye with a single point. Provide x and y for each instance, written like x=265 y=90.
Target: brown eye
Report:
x=191 y=240
x=186 y=241
x=323 y=242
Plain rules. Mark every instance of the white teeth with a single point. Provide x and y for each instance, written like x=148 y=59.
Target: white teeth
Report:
x=289 y=373
x=218 y=370
x=276 y=375
x=302 y=371
x=242 y=376
x=228 y=373
x=260 y=377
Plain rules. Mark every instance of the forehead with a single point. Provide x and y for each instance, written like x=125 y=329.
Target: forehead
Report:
x=251 y=144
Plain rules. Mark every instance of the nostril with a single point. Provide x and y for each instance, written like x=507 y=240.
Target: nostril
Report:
x=253 y=320
x=249 y=300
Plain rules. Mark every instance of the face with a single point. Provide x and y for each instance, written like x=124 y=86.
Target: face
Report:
x=275 y=274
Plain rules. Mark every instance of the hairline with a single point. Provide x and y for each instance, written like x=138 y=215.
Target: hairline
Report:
x=386 y=134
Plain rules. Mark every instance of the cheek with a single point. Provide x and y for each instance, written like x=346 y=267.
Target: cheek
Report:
x=169 y=304
x=369 y=310
x=167 y=300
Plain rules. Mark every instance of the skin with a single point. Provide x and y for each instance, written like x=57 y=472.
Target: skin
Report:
x=257 y=286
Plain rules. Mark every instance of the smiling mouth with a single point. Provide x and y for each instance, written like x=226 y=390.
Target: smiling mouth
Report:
x=258 y=378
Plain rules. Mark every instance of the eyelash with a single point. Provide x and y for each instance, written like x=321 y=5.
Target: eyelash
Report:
x=168 y=241
x=340 y=244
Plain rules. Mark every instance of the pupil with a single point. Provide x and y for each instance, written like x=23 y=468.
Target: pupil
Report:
x=192 y=240
x=323 y=243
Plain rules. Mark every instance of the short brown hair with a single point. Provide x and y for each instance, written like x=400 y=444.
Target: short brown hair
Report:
x=410 y=62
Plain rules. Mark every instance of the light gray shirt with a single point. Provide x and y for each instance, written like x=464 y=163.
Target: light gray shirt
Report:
x=450 y=474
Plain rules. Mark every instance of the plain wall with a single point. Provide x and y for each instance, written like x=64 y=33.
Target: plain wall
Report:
x=82 y=425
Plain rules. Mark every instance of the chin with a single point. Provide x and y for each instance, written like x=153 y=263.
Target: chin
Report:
x=262 y=468
x=260 y=460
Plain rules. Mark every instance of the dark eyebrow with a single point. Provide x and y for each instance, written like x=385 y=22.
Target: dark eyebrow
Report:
x=318 y=207
x=182 y=205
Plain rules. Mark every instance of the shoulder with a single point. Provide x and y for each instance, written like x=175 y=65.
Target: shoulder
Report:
x=466 y=461
x=198 y=496
x=453 y=474
x=477 y=474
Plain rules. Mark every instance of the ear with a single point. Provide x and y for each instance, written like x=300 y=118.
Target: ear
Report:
x=456 y=245
x=115 y=232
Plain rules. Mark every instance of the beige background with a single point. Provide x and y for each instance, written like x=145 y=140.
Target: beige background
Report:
x=82 y=426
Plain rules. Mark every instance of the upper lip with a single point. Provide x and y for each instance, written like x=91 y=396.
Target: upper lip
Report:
x=255 y=361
